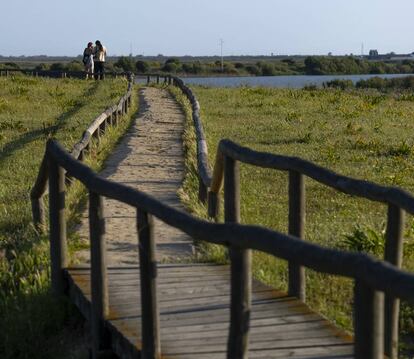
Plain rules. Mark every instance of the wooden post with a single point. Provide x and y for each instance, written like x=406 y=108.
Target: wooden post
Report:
x=240 y=268
x=158 y=79
x=115 y=117
x=393 y=254
x=148 y=79
x=57 y=222
x=213 y=205
x=151 y=346
x=99 y=281
x=202 y=191
x=97 y=135
x=38 y=211
x=368 y=322
x=297 y=279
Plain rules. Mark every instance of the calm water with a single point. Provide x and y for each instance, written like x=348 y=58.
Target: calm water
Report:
x=297 y=81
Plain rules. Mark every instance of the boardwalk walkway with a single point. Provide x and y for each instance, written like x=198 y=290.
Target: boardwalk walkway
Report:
x=193 y=298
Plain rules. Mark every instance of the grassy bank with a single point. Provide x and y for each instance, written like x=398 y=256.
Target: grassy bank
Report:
x=363 y=134
x=33 y=324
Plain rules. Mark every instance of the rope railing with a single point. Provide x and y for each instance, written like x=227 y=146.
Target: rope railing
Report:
x=95 y=130
x=398 y=201
x=371 y=276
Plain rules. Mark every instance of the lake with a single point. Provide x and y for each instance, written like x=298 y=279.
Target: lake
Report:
x=297 y=81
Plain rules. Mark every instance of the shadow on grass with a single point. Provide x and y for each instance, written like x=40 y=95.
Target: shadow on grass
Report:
x=36 y=326
x=31 y=136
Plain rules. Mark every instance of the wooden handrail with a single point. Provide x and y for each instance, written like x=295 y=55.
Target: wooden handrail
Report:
x=371 y=276
x=397 y=199
x=203 y=169
x=94 y=129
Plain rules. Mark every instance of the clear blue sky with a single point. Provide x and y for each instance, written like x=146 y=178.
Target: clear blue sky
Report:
x=194 y=27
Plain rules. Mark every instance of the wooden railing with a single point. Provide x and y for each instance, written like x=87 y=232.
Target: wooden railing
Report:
x=96 y=129
x=203 y=169
x=398 y=201
x=371 y=276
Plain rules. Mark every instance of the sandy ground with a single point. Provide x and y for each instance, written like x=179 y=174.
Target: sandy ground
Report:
x=149 y=158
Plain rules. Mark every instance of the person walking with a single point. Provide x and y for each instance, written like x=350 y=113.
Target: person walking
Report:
x=88 y=60
x=100 y=57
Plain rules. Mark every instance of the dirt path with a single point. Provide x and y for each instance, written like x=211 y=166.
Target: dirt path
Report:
x=150 y=158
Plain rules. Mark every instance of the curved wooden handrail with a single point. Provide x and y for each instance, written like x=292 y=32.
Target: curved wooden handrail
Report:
x=97 y=125
x=344 y=184
x=375 y=273
x=203 y=168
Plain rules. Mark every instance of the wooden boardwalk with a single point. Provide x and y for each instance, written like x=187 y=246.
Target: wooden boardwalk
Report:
x=194 y=299
x=194 y=316
x=194 y=310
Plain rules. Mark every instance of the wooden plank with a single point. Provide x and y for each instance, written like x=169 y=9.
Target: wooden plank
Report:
x=194 y=317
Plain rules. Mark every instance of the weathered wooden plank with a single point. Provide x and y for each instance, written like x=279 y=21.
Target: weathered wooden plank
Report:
x=194 y=317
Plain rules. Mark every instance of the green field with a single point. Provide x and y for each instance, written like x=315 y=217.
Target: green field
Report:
x=31 y=111
x=365 y=134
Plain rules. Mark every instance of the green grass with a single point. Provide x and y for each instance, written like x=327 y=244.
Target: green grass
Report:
x=363 y=134
x=32 y=323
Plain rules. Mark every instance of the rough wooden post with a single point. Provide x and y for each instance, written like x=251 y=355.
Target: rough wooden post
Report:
x=393 y=254
x=213 y=205
x=99 y=281
x=57 y=222
x=158 y=79
x=368 y=322
x=297 y=279
x=240 y=268
x=115 y=117
x=39 y=213
x=202 y=191
x=151 y=346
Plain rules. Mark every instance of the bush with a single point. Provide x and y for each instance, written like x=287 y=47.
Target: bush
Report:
x=125 y=63
x=9 y=65
x=142 y=66
x=57 y=66
x=170 y=67
x=75 y=66
x=341 y=84
x=253 y=69
x=267 y=69
x=42 y=67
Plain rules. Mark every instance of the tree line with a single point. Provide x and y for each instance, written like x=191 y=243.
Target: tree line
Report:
x=311 y=65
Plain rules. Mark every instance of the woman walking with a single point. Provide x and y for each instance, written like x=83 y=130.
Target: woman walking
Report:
x=100 y=57
x=88 y=60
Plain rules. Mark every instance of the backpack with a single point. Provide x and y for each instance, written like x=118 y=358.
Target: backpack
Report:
x=85 y=59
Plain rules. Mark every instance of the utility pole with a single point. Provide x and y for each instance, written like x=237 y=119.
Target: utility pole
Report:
x=362 y=49
x=221 y=54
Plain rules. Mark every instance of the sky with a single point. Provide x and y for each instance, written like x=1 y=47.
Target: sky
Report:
x=195 y=27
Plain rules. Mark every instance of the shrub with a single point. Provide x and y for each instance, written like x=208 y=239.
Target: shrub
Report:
x=142 y=66
x=364 y=240
x=341 y=84
x=125 y=63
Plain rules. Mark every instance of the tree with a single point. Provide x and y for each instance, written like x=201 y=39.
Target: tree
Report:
x=142 y=66
x=125 y=63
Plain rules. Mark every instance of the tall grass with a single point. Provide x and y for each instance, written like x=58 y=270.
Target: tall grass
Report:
x=363 y=134
x=33 y=324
